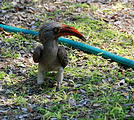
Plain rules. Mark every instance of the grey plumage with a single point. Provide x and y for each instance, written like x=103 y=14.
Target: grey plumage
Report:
x=38 y=51
x=50 y=56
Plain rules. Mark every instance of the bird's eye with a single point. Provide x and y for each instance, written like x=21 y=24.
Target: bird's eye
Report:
x=56 y=30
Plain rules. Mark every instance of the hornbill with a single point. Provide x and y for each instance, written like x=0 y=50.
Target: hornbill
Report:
x=49 y=55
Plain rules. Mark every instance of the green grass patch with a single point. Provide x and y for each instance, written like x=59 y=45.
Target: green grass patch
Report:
x=91 y=88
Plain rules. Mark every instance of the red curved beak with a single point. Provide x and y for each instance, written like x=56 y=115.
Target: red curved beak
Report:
x=67 y=30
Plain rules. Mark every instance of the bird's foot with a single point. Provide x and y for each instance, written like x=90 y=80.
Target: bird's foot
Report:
x=59 y=85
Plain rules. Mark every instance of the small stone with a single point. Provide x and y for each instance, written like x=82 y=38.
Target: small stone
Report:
x=132 y=109
x=132 y=13
x=24 y=110
x=22 y=65
x=53 y=119
x=37 y=118
x=5 y=118
x=96 y=104
x=77 y=85
x=82 y=91
x=3 y=11
x=72 y=102
x=24 y=116
x=86 y=102
x=21 y=116
x=34 y=27
x=14 y=3
x=122 y=83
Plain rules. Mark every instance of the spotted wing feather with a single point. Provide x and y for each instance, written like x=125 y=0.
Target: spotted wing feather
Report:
x=62 y=55
x=37 y=53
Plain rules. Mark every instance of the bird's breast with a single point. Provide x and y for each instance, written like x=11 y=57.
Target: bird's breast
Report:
x=51 y=63
x=49 y=59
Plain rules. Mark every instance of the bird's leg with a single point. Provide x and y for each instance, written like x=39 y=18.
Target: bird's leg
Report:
x=40 y=78
x=60 y=76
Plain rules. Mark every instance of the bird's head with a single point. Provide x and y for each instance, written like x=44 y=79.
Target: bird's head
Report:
x=53 y=30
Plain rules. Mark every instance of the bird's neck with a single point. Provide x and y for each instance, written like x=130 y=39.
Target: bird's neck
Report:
x=50 y=46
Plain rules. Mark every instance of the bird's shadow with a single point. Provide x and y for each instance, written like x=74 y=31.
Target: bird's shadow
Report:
x=28 y=86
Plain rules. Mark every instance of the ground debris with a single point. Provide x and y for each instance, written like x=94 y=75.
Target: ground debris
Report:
x=92 y=88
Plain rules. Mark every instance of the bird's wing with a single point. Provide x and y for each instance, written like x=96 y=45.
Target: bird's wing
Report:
x=37 y=53
x=62 y=55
